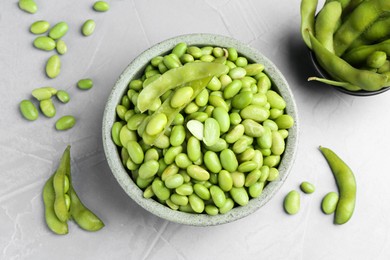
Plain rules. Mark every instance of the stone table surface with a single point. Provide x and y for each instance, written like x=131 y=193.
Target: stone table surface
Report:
x=357 y=128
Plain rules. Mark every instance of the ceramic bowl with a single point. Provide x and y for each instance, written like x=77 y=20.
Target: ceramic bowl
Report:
x=135 y=69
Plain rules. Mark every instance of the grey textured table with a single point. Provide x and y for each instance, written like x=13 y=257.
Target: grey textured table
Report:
x=355 y=127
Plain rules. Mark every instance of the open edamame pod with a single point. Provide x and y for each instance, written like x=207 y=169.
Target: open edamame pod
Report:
x=58 y=185
x=343 y=71
x=169 y=111
x=346 y=184
x=52 y=221
x=176 y=77
x=84 y=217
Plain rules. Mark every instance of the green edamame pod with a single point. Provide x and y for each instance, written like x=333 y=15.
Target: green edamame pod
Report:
x=307 y=10
x=326 y=23
x=353 y=26
x=175 y=77
x=346 y=184
x=58 y=184
x=57 y=226
x=84 y=217
x=340 y=69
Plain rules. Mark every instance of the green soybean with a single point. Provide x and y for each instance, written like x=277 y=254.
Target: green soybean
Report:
x=135 y=151
x=211 y=131
x=202 y=191
x=42 y=93
x=47 y=107
x=185 y=189
x=225 y=180
x=212 y=162
x=63 y=96
x=57 y=226
x=28 y=6
x=148 y=169
x=211 y=210
x=179 y=199
x=307 y=187
x=159 y=189
x=174 y=181
x=58 y=30
x=28 y=110
x=292 y=202
x=88 y=27
x=193 y=149
x=197 y=204
x=44 y=43
x=329 y=202
x=39 y=27
x=65 y=122
x=256 y=189
x=217 y=195
x=254 y=112
x=181 y=97
x=101 y=6
x=228 y=160
x=85 y=84
x=240 y=195
x=198 y=173
x=53 y=66
x=61 y=47
x=157 y=124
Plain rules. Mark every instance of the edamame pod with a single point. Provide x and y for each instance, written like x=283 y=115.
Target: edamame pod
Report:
x=57 y=226
x=175 y=77
x=346 y=184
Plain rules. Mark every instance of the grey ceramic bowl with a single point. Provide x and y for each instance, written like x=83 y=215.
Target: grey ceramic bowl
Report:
x=135 y=69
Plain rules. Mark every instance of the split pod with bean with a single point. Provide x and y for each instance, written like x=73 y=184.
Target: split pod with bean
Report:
x=62 y=203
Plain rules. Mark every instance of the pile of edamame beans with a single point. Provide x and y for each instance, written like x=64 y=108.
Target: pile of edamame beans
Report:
x=351 y=42
x=54 y=41
x=203 y=130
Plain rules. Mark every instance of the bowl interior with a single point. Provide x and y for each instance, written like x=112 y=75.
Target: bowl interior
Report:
x=135 y=69
x=324 y=74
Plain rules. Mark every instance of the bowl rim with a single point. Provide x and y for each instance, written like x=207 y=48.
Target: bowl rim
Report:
x=124 y=179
